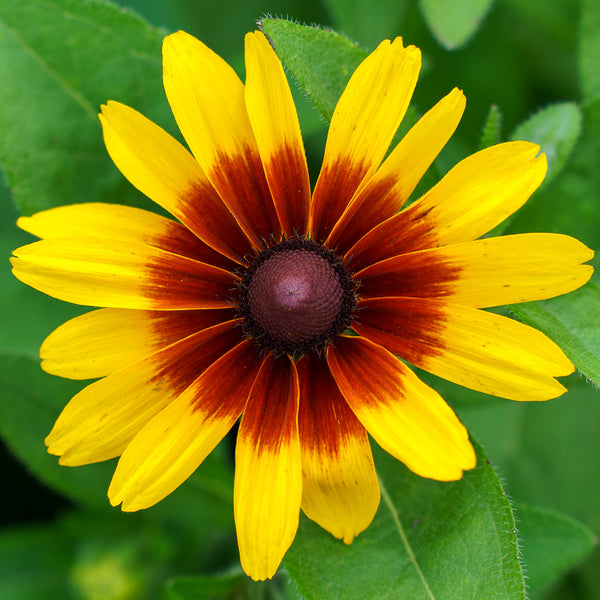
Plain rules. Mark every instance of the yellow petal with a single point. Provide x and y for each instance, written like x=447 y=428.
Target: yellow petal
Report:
x=103 y=341
x=364 y=121
x=100 y=421
x=384 y=194
x=340 y=490
x=483 y=190
x=479 y=350
x=483 y=273
x=113 y=221
x=277 y=131
x=118 y=222
x=207 y=100
x=174 y=443
x=120 y=274
x=162 y=169
x=476 y=195
x=268 y=471
x=405 y=417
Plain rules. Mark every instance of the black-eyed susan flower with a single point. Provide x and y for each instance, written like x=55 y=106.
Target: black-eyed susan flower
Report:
x=290 y=311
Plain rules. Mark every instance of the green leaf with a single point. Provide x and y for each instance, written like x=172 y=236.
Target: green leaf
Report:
x=547 y=453
x=453 y=23
x=492 y=129
x=556 y=129
x=201 y=587
x=429 y=540
x=573 y=322
x=59 y=60
x=368 y=21
x=589 y=50
x=551 y=543
x=322 y=61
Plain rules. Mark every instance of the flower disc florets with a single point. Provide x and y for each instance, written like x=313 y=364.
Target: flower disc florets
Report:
x=295 y=297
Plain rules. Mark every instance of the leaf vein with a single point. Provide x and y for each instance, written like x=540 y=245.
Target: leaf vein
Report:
x=400 y=528
x=69 y=90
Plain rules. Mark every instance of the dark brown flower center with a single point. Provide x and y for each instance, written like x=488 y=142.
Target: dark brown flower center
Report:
x=296 y=297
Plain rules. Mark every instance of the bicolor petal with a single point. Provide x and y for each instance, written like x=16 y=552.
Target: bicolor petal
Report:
x=162 y=169
x=405 y=417
x=101 y=420
x=120 y=274
x=268 y=471
x=476 y=349
x=384 y=194
x=103 y=341
x=480 y=192
x=364 y=122
x=207 y=100
x=277 y=131
x=340 y=490
x=484 y=273
x=175 y=442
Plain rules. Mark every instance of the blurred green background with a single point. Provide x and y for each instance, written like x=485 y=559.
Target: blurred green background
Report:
x=513 y=59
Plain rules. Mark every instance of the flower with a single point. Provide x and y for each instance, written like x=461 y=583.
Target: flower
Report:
x=290 y=312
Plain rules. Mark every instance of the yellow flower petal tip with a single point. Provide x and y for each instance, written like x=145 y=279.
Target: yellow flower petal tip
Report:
x=239 y=303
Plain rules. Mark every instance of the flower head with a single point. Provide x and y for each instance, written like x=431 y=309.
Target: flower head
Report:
x=261 y=302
